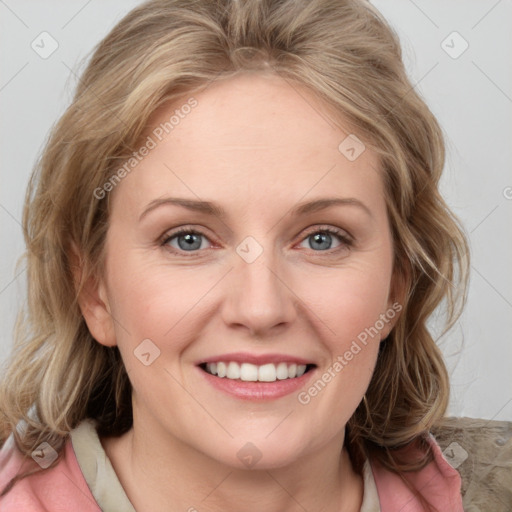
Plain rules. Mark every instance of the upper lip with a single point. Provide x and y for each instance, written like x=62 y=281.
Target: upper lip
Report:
x=256 y=359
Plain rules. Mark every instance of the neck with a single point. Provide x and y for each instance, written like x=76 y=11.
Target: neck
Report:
x=156 y=470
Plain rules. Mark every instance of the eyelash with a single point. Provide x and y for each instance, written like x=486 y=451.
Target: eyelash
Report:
x=346 y=241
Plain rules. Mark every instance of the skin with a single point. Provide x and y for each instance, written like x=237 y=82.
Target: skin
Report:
x=257 y=147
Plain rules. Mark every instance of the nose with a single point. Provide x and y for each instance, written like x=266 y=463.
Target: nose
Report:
x=260 y=300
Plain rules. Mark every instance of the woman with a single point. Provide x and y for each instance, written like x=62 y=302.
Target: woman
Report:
x=189 y=346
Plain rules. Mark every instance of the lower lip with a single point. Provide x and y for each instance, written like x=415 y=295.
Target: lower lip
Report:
x=257 y=390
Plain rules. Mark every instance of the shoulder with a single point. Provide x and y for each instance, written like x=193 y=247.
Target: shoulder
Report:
x=438 y=483
x=60 y=487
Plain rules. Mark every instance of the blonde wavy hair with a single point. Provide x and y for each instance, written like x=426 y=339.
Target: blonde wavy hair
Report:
x=344 y=53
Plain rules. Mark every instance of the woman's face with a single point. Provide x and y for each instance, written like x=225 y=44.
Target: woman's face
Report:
x=285 y=264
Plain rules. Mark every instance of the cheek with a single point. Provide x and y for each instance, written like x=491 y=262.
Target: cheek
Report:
x=352 y=312
x=358 y=313
x=152 y=303
x=150 y=298
x=350 y=301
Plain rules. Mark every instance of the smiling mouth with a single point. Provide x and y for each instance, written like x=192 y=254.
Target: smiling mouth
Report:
x=248 y=372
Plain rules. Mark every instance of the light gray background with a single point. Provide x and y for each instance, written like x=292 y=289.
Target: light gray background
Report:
x=471 y=95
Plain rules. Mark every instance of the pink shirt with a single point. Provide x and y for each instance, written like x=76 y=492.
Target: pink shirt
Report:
x=64 y=487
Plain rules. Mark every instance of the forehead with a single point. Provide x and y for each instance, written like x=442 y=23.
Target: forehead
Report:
x=252 y=138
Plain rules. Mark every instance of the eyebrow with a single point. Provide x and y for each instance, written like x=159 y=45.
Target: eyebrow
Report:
x=210 y=208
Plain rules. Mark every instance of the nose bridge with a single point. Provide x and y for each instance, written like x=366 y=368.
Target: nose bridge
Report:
x=259 y=298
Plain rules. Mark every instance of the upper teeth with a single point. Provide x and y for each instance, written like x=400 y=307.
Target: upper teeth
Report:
x=251 y=372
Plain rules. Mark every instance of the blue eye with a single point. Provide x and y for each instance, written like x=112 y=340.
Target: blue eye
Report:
x=320 y=240
x=187 y=239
